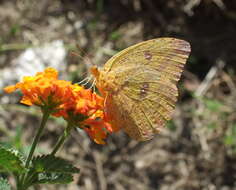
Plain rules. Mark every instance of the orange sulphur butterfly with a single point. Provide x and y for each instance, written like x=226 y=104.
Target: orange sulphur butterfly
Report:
x=139 y=84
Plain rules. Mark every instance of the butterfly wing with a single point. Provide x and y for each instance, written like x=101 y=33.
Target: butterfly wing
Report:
x=166 y=55
x=141 y=85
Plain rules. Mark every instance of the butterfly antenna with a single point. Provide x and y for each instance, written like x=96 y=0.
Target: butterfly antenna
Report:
x=80 y=49
x=88 y=62
x=86 y=56
x=82 y=81
x=85 y=81
x=88 y=81
x=84 y=59
x=93 y=85
x=73 y=53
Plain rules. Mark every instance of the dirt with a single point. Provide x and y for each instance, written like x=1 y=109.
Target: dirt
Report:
x=197 y=149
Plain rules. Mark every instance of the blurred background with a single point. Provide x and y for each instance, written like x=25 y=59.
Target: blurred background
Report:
x=197 y=150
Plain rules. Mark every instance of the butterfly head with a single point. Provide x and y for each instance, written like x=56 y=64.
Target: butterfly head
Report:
x=95 y=71
x=105 y=81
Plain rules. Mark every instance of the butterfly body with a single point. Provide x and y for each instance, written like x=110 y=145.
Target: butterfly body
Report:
x=139 y=84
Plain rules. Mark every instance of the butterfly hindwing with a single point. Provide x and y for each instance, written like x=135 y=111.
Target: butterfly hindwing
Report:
x=152 y=103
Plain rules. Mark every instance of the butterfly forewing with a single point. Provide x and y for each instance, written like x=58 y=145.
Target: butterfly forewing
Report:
x=166 y=55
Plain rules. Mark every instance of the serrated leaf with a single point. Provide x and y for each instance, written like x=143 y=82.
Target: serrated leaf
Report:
x=50 y=163
x=51 y=170
x=54 y=178
x=4 y=185
x=11 y=160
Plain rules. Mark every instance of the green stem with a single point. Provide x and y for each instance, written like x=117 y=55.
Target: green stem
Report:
x=62 y=138
x=46 y=115
x=11 y=47
x=18 y=185
x=58 y=145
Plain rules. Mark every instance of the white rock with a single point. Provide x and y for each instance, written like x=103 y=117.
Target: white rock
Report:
x=34 y=60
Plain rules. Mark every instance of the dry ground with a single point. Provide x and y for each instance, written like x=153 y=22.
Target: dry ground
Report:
x=197 y=150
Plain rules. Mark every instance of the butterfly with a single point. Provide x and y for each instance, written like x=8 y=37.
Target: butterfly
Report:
x=139 y=85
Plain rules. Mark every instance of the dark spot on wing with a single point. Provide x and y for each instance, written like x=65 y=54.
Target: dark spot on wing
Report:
x=144 y=90
x=147 y=55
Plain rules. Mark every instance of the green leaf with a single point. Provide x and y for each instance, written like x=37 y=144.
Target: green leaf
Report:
x=15 y=29
x=16 y=140
x=230 y=138
x=115 y=35
x=54 y=178
x=212 y=125
x=50 y=163
x=100 y=5
x=51 y=170
x=11 y=160
x=213 y=105
x=4 y=185
x=171 y=126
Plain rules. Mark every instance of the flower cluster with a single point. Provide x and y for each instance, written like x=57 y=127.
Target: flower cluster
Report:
x=81 y=107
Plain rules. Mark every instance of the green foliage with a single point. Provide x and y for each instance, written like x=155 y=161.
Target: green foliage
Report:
x=171 y=126
x=54 y=178
x=15 y=29
x=50 y=163
x=4 y=185
x=213 y=105
x=51 y=170
x=230 y=138
x=92 y=25
x=100 y=6
x=115 y=35
x=15 y=141
x=11 y=160
x=212 y=126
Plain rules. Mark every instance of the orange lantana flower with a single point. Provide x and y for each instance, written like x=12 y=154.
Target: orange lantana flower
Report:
x=80 y=107
x=86 y=110
x=43 y=89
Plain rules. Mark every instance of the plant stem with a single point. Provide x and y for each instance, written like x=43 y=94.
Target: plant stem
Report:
x=37 y=137
x=62 y=138
x=46 y=114
x=11 y=47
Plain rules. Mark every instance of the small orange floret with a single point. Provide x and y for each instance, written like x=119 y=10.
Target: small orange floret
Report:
x=10 y=89
x=97 y=128
x=96 y=133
